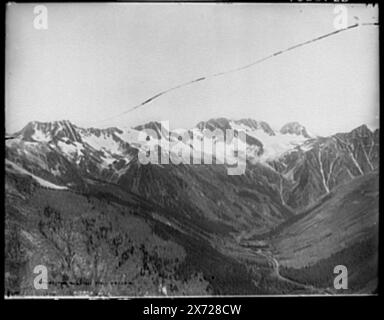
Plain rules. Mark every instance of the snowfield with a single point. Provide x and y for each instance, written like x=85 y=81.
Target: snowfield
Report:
x=274 y=146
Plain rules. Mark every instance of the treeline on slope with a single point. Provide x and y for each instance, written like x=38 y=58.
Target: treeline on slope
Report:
x=224 y=274
x=359 y=258
x=93 y=253
x=86 y=245
x=90 y=244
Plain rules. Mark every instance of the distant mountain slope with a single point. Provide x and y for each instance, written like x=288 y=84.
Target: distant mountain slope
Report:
x=283 y=170
x=348 y=215
x=319 y=165
x=295 y=128
x=342 y=230
x=110 y=241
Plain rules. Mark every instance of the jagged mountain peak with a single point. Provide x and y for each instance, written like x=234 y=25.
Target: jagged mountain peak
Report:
x=149 y=125
x=362 y=131
x=255 y=125
x=358 y=133
x=98 y=132
x=224 y=124
x=47 y=131
x=155 y=126
x=215 y=123
x=59 y=129
x=296 y=128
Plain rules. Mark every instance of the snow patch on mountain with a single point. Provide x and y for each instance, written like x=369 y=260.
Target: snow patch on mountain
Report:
x=41 y=136
x=71 y=149
x=102 y=142
x=275 y=145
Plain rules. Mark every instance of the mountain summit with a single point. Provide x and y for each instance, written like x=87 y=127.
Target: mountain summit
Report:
x=47 y=131
x=295 y=128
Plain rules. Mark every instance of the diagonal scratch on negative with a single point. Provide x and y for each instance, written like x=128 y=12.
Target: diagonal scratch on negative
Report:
x=244 y=67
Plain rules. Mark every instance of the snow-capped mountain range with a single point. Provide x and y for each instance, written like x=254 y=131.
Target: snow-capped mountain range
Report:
x=66 y=155
x=320 y=192
x=114 y=144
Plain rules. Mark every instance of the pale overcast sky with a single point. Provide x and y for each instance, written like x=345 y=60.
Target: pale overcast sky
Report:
x=95 y=61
